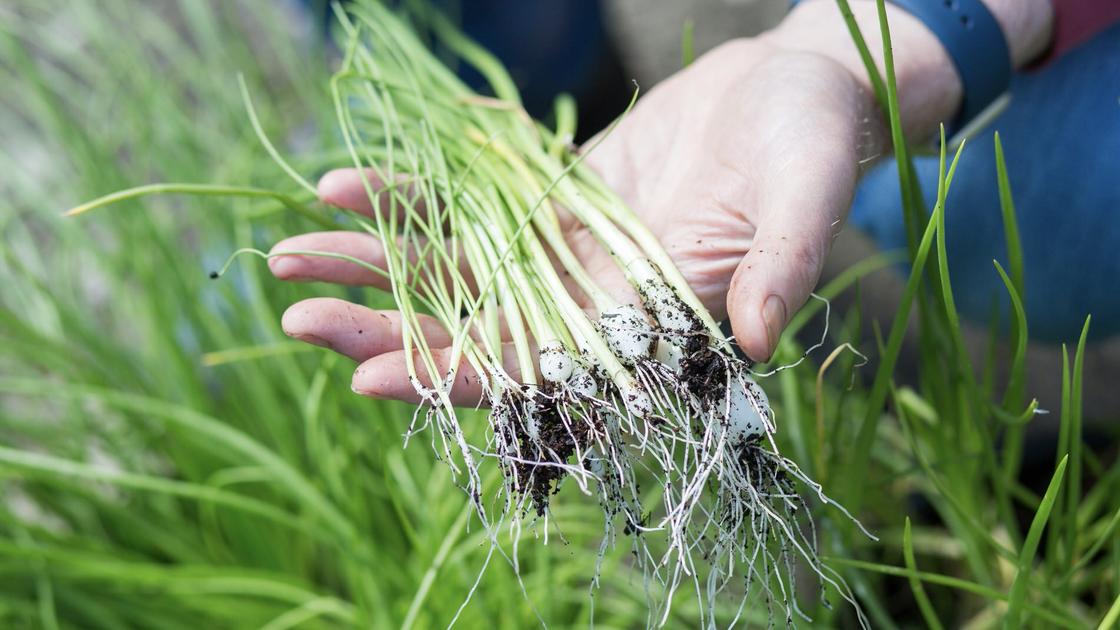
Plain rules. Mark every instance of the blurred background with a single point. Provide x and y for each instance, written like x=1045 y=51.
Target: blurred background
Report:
x=168 y=459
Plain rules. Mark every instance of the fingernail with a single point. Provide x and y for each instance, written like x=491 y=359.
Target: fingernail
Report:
x=774 y=316
x=359 y=386
x=366 y=393
x=285 y=267
x=313 y=340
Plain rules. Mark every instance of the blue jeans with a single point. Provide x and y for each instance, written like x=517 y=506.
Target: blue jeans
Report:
x=1061 y=140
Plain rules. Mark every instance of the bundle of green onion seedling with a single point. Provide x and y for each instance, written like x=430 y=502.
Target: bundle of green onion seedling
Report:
x=475 y=203
x=479 y=203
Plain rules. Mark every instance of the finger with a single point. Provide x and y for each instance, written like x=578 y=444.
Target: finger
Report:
x=359 y=332
x=805 y=204
x=366 y=248
x=352 y=330
x=346 y=188
x=386 y=376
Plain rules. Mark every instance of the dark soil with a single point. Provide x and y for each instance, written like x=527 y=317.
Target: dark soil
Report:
x=704 y=372
x=555 y=445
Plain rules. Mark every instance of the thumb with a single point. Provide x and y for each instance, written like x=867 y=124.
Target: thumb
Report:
x=804 y=208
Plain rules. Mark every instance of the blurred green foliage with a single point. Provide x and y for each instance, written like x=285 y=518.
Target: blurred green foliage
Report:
x=168 y=459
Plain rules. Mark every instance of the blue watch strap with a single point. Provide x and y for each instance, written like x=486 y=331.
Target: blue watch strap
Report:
x=976 y=44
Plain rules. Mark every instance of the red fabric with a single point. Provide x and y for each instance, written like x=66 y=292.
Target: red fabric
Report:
x=1076 y=21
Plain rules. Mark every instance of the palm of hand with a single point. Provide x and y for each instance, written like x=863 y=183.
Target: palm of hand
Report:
x=743 y=165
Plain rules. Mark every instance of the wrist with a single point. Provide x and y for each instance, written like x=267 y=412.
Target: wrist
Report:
x=1028 y=26
x=929 y=87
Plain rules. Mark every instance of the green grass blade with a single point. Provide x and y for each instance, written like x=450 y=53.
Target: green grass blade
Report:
x=1057 y=545
x=1010 y=221
x=889 y=358
x=924 y=605
x=986 y=592
x=880 y=388
x=1107 y=536
x=432 y=572
x=877 y=85
x=1112 y=616
x=1018 y=593
x=1073 y=492
x=219 y=434
x=205 y=190
x=688 y=44
x=906 y=179
x=1019 y=352
x=34 y=463
x=263 y=137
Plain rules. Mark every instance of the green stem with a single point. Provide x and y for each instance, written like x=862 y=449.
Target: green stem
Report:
x=203 y=190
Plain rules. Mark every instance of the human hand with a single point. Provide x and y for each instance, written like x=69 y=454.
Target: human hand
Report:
x=743 y=165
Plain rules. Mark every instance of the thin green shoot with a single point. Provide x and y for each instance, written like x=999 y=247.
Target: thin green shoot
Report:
x=1016 y=598
x=263 y=137
x=688 y=43
x=924 y=605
